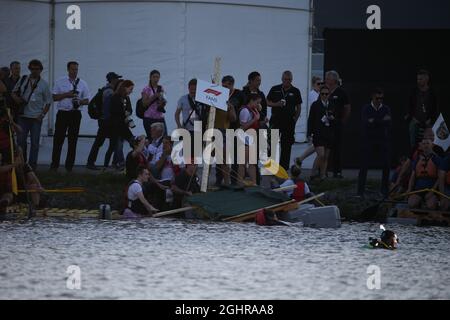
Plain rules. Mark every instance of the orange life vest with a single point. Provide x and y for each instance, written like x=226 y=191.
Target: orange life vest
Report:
x=425 y=168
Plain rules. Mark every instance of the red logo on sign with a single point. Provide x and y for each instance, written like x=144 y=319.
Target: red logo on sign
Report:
x=214 y=92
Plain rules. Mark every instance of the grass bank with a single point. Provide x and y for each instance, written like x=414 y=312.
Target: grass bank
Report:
x=109 y=188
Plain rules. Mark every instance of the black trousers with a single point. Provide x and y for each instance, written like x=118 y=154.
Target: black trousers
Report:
x=66 y=122
x=117 y=131
x=286 y=129
x=336 y=150
x=369 y=151
x=102 y=134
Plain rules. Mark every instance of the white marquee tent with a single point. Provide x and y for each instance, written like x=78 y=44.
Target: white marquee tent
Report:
x=179 y=38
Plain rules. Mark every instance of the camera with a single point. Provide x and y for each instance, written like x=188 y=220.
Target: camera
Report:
x=162 y=103
x=129 y=121
x=75 y=100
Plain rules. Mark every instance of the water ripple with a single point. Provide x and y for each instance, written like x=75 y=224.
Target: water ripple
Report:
x=183 y=259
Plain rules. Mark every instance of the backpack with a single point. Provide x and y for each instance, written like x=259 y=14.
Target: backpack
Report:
x=140 y=109
x=95 y=107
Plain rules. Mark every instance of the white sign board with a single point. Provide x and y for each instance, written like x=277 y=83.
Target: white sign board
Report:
x=441 y=133
x=212 y=94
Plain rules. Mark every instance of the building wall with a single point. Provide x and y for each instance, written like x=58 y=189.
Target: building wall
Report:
x=179 y=38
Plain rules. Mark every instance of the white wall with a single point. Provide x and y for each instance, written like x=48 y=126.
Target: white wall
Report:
x=179 y=39
x=24 y=33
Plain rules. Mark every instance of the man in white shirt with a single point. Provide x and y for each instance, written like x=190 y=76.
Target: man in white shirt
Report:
x=159 y=152
x=71 y=93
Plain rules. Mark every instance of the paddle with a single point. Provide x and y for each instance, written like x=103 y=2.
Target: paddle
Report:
x=62 y=190
x=275 y=169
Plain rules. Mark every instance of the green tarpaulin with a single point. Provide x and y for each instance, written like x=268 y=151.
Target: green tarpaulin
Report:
x=231 y=202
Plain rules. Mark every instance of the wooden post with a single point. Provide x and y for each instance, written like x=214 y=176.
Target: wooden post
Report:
x=211 y=120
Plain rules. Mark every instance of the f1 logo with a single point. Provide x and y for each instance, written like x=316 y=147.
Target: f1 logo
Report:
x=212 y=91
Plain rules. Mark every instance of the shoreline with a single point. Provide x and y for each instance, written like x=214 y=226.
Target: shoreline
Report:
x=109 y=188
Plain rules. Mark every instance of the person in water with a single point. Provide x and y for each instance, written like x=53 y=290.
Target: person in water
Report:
x=388 y=240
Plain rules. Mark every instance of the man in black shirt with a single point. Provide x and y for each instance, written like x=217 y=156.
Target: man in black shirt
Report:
x=423 y=108
x=285 y=101
x=254 y=82
x=338 y=97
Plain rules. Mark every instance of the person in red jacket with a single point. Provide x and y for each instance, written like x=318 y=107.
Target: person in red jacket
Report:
x=301 y=191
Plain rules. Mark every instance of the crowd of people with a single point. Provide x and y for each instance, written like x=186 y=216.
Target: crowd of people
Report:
x=156 y=183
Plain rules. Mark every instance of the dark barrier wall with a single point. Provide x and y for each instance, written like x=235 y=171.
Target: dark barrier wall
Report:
x=395 y=14
x=389 y=59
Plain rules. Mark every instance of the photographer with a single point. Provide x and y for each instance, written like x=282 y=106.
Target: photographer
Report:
x=33 y=98
x=71 y=93
x=154 y=101
x=120 y=117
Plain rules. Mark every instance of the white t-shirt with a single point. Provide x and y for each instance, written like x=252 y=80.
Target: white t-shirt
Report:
x=186 y=110
x=133 y=190
x=290 y=182
x=65 y=84
x=312 y=97
x=245 y=116
x=156 y=151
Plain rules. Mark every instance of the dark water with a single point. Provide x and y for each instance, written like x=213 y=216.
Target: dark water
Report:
x=176 y=259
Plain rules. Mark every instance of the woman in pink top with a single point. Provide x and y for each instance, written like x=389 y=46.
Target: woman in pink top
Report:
x=154 y=102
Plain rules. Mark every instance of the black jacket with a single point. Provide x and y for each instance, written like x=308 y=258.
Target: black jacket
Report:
x=316 y=125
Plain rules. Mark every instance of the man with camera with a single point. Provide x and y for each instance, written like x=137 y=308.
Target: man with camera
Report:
x=33 y=98
x=71 y=93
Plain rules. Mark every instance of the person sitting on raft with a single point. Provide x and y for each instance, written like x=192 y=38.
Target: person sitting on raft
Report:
x=424 y=176
x=6 y=195
x=27 y=180
x=402 y=183
x=185 y=184
x=302 y=191
x=405 y=171
x=388 y=240
x=137 y=204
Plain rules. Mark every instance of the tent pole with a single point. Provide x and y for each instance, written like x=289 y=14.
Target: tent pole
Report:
x=310 y=46
x=51 y=63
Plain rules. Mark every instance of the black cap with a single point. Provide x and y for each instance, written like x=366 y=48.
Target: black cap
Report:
x=112 y=75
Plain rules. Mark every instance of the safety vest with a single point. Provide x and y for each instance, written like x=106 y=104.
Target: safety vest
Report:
x=425 y=168
x=299 y=192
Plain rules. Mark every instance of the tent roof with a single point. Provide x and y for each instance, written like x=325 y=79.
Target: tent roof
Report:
x=284 y=4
